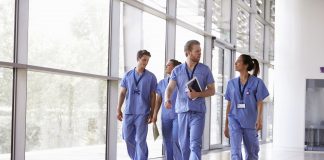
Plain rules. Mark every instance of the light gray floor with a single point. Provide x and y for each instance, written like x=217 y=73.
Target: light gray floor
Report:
x=267 y=152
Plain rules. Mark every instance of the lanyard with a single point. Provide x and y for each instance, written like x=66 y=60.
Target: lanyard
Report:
x=193 y=71
x=242 y=92
x=140 y=78
x=168 y=80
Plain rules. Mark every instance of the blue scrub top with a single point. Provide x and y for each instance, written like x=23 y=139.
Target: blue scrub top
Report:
x=254 y=91
x=166 y=113
x=183 y=102
x=138 y=102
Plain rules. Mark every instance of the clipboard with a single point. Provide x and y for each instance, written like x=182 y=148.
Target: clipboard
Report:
x=194 y=84
x=155 y=131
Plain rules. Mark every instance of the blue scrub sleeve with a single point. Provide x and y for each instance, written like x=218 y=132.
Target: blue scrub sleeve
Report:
x=173 y=75
x=262 y=91
x=210 y=78
x=158 y=89
x=153 y=84
x=123 y=82
x=227 y=93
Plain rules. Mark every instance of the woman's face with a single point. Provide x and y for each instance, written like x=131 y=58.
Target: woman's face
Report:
x=239 y=65
x=169 y=67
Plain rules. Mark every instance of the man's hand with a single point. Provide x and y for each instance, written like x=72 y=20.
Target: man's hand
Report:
x=149 y=118
x=168 y=104
x=258 y=125
x=119 y=115
x=192 y=94
x=154 y=118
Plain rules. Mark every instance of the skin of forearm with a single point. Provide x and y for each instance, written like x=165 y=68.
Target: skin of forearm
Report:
x=260 y=109
x=227 y=111
x=152 y=101
x=208 y=92
x=121 y=100
x=158 y=103
x=168 y=93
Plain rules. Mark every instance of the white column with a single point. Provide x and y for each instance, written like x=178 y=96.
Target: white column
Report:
x=298 y=56
x=111 y=150
x=20 y=80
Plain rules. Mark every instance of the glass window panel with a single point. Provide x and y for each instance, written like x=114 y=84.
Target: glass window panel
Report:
x=272 y=11
x=140 y=30
x=259 y=39
x=5 y=113
x=260 y=7
x=192 y=12
x=182 y=36
x=157 y=4
x=243 y=29
x=261 y=65
x=270 y=104
x=66 y=116
x=217 y=100
x=247 y=2
x=237 y=54
x=221 y=19
x=7 y=17
x=71 y=35
x=227 y=76
x=271 y=46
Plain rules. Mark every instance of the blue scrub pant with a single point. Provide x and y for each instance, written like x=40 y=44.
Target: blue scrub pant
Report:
x=170 y=138
x=134 y=134
x=191 y=128
x=250 y=141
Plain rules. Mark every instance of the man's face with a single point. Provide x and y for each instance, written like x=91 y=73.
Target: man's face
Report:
x=143 y=61
x=195 y=53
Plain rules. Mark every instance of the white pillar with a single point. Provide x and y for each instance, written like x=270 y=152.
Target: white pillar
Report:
x=298 y=56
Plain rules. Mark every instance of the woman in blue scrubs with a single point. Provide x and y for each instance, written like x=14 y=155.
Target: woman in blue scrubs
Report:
x=169 y=117
x=245 y=95
x=190 y=104
x=138 y=86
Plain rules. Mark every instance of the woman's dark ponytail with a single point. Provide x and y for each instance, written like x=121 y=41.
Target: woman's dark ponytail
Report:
x=252 y=64
x=256 y=67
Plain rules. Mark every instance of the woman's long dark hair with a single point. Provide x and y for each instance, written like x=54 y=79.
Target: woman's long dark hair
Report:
x=252 y=64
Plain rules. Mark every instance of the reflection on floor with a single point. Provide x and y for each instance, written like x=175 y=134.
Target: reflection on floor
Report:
x=268 y=153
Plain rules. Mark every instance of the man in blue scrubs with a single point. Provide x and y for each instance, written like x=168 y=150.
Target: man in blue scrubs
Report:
x=190 y=104
x=169 y=117
x=245 y=95
x=138 y=86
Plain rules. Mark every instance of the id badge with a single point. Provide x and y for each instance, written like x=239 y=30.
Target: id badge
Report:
x=241 y=106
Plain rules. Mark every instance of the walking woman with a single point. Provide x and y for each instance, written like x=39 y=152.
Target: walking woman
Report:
x=245 y=95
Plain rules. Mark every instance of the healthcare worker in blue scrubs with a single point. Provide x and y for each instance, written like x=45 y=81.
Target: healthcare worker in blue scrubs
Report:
x=245 y=95
x=190 y=104
x=169 y=117
x=138 y=86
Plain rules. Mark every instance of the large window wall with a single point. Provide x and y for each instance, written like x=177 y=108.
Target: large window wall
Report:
x=60 y=60
x=141 y=30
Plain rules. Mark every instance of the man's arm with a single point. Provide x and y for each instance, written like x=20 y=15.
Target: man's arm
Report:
x=168 y=93
x=152 y=95
x=158 y=103
x=206 y=93
x=122 y=95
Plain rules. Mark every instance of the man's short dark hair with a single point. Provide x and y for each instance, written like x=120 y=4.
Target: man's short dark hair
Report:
x=143 y=52
x=189 y=44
